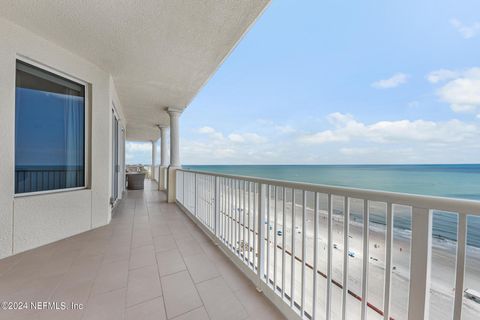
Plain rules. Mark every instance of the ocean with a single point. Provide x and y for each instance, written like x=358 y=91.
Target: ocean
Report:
x=444 y=180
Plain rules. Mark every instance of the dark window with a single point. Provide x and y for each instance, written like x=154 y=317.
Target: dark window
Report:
x=49 y=131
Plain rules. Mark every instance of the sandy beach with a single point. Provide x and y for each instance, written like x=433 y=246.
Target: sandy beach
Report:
x=443 y=262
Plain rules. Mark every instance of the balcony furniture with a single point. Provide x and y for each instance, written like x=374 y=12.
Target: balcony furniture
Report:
x=135 y=181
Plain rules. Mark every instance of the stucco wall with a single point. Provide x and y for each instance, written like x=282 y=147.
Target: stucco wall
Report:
x=31 y=221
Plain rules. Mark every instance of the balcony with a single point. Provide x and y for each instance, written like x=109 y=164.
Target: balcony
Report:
x=207 y=248
x=150 y=262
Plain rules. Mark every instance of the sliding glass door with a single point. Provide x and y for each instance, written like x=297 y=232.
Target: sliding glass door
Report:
x=115 y=157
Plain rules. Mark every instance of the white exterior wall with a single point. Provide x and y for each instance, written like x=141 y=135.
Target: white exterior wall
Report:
x=30 y=221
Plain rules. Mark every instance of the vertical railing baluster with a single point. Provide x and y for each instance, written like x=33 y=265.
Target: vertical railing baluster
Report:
x=249 y=219
x=211 y=206
x=284 y=193
x=232 y=214
x=328 y=310
x=460 y=269
x=261 y=234
x=237 y=214
x=254 y=225
x=221 y=195
x=227 y=211
x=315 y=256
x=366 y=255
x=346 y=224
x=230 y=197
x=244 y=241
x=292 y=265
x=212 y=202
x=418 y=306
x=183 y=189
x=274 y=239
x=216 y=207
x=224 y=215
x=234 y=190
x=388 y=263
x=268 y=235
x=304 y=251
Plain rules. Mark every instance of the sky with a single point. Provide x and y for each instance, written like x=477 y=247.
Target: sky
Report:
x=342 y=82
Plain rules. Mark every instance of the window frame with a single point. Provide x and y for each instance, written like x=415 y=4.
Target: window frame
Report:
x=87 y=126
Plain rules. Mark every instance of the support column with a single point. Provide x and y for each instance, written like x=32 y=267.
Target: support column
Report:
x=154 y=160
x=174 y=152
x=162 y=176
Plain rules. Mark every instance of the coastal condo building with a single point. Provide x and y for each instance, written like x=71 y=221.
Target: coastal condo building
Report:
x=80 y=78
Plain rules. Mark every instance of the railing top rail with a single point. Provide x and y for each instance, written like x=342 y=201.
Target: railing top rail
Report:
x=461 y=206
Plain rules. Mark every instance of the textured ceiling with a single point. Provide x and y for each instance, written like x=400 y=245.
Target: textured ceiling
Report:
x=159 y=52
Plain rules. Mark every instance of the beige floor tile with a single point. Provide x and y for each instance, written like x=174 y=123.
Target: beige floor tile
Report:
x=179 y=294
x=235 y=279
x=164 y=243
x=142 y=256
x=110 y=277
x=106 y=306
x=143 y=285
x=7 y=263
x=197 y=314
x=160 y=230
x=169 y=262
x=189 y=247
x=257 y=305
x=117 y=252
x=141 y=238
x=219 y=300
x=148 y=310
x=201 y=267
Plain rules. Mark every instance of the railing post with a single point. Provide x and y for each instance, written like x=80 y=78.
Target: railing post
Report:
x=460 y=270
x=418 y=307
x=388 y=263
x=195 y=200
x=261 y=234
x=216 y=212
x=183 y=186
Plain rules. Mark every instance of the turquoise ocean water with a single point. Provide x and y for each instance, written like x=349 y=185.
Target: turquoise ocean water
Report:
x=453 y=181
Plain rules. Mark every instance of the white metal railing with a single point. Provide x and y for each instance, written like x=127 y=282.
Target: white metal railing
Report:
x=288 y=237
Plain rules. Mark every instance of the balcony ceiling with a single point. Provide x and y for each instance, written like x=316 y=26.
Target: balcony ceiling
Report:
x=159 y=52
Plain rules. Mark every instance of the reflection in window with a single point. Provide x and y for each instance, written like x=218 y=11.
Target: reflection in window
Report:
x=49 y=131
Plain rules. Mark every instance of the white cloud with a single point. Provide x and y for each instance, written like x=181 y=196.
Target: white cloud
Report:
x=324 y=137
x=285 y=129
x=338 y=118
x=235 y=137
x=138 y=152
x=139 y=147
x=400 y=131
x=392 y=82
x=357 y=151
x=461 y=89
x=206 y=130
x=246 y=138
x=344 y=140
x=441 y=75
x=465 y=31
x=210 y=132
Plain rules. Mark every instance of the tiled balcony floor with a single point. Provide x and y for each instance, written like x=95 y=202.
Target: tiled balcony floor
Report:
x=151 y=262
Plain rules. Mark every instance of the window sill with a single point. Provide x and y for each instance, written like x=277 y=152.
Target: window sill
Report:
x=48 y=192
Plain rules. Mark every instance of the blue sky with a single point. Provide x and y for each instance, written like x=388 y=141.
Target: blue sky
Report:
x=344 y=82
